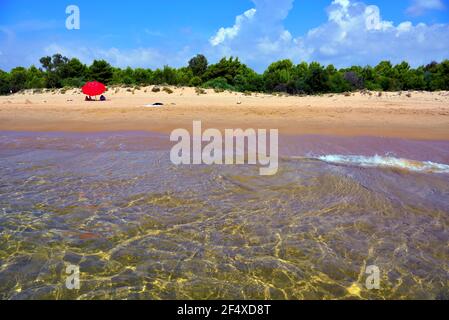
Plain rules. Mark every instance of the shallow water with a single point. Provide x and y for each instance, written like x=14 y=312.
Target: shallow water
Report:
x=141 y=228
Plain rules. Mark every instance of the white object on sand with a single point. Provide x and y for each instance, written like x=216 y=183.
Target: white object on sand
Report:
x=154 y=105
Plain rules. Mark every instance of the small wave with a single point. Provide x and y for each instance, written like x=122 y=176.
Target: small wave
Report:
x=385 y=161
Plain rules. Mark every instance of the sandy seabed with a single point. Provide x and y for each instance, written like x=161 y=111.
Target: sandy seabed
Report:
x=411 y=115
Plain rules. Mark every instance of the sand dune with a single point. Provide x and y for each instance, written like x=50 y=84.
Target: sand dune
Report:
x=415 y=115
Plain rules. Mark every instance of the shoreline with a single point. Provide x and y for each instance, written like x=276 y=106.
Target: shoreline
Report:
x=423 y=116
x=290 y=146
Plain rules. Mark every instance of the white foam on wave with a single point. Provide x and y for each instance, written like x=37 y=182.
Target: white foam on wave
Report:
x=388 y=162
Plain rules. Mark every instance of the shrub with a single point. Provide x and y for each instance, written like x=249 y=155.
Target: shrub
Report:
x=156 y=89
x=167 y=90
x=353 y=79
x=73 y=82
x=195 y=82
x=198 y=65
x=219 y=83
x=200 y=91
x=282 y=87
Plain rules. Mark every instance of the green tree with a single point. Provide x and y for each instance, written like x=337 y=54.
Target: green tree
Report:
x=387 y=76
x=18 y=79
x=127 y=76
x=101 y=71
x=225 y=68
x=443 y=73
x=72 y=73
x=416 y=80
x=440 y=79
x=198 y=65
x=35 y=78
x=230 y=73
x=338 y=83
x=317 y=78
x=218 y=83
x=384 y=68
x=4 y=82
x=354 y=80
x=169 y=75
x=59 y=60
x=278 y=75
x=331 y=70
x=59 y=68
x=142 y=76
x=75 y=69
x=184 y=76
x=46 y=63
x=196 y=82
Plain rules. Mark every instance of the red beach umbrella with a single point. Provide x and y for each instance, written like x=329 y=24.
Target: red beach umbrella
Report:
x=94 y=88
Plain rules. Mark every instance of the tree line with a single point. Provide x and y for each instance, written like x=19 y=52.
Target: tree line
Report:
x=231 y=74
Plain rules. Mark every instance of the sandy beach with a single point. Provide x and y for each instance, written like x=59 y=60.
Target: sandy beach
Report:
x=412 y=115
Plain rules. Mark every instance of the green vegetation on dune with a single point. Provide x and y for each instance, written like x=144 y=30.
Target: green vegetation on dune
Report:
x=230 y=74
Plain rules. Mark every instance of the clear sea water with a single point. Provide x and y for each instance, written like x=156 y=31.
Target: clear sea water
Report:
x=141 y=228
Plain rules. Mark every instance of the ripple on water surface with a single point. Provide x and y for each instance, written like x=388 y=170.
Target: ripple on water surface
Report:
x=139 y=227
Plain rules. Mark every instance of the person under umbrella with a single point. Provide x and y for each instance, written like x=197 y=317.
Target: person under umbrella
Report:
x=93 y=88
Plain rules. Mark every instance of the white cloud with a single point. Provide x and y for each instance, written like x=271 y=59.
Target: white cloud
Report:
x=419 y=7
x=258 y=35
x=355 y=33
x=143 y=57
x=139 y=57
x=230 y=33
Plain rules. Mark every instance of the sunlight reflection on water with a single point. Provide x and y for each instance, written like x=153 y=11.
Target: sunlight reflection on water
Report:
x=139 y=227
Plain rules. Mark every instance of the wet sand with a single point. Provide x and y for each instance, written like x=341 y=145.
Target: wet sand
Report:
x=409 y=115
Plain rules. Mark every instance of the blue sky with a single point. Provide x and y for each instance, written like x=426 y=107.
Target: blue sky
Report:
x=154 y=33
